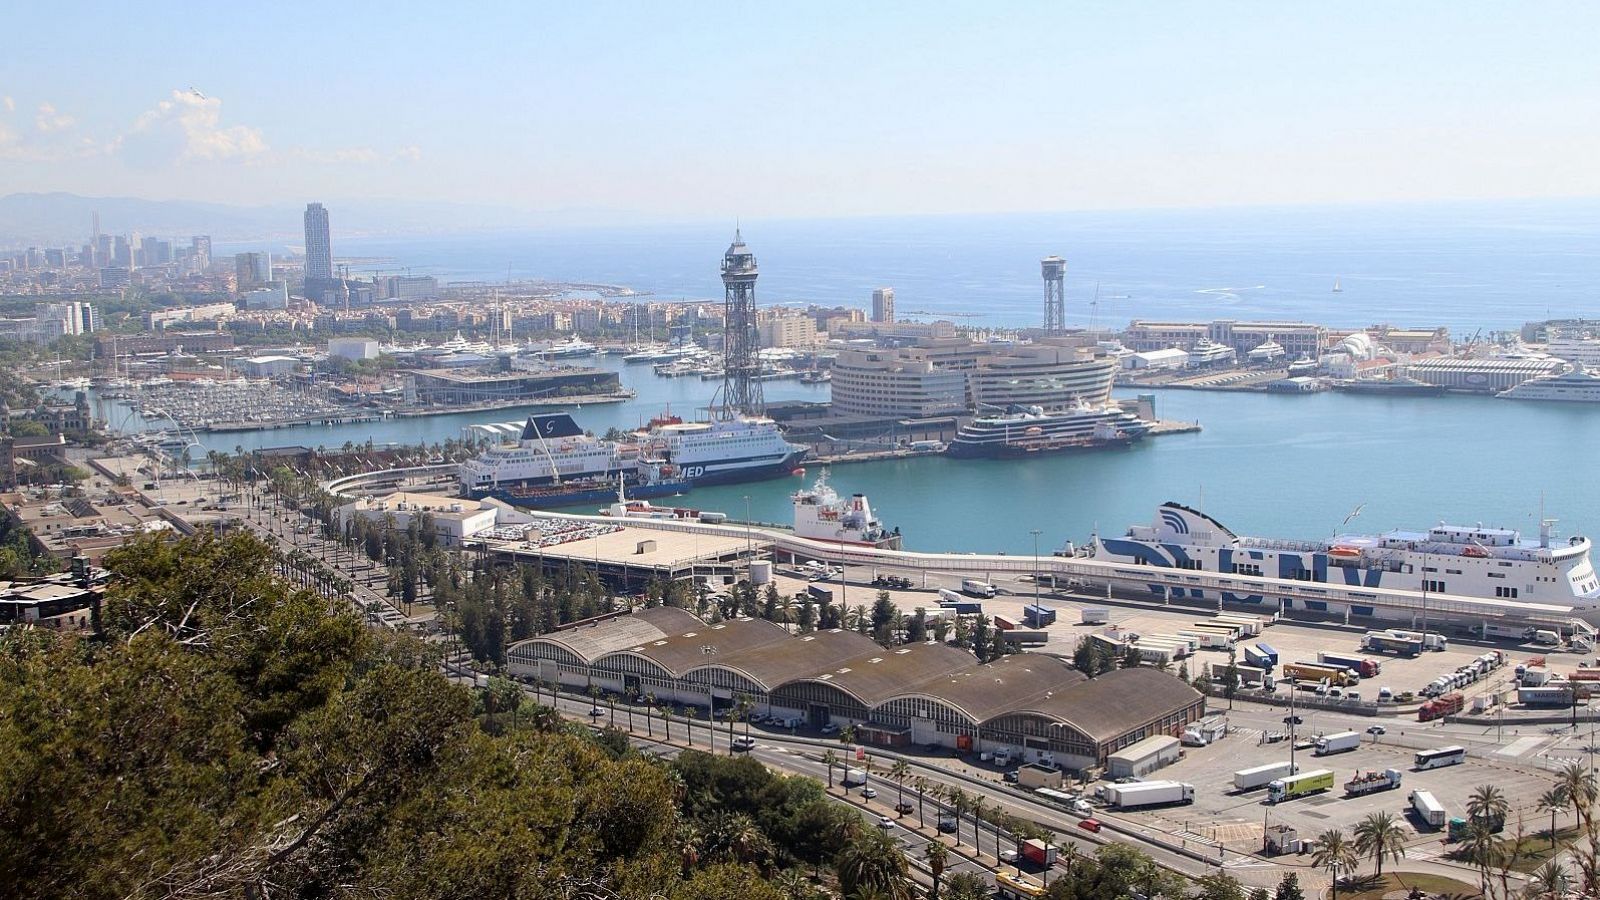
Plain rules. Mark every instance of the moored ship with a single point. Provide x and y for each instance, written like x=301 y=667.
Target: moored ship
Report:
x=1028 y=431
x=554 y=462
x=820 y=513
x=1459 y=560
x=726 y=449
x=1575 y=385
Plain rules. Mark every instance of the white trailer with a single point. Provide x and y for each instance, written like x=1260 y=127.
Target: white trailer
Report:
x=1259 y=776
x=1141 y=794
x=1429 y=810
x=1337 y=743
x=1095 y=615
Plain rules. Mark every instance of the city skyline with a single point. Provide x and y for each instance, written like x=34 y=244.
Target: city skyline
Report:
x=948 y=111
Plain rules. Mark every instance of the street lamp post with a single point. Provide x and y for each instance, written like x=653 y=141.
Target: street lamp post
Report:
x=747 y=537
x=1035 y=533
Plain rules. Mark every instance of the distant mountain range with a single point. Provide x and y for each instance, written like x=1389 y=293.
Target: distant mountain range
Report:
x=55 y=219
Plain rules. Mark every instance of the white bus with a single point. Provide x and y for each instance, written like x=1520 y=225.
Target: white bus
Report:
x=1436 y=759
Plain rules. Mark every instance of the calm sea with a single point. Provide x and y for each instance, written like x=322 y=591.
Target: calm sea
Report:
x=1290 y=466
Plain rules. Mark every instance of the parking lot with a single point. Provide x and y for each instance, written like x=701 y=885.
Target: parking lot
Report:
x=1236 y=818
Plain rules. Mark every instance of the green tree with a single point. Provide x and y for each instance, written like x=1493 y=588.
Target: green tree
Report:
x=1335 y=853
x=1289 y=888
x=1378 y=835
x=938 y=857
x=1220 y=886
x=873 y=863
x=1553 y=800
x=967 y=886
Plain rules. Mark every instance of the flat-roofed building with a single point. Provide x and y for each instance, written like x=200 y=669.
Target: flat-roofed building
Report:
x=951 y=376
x=895 y=383
x=1297 y=338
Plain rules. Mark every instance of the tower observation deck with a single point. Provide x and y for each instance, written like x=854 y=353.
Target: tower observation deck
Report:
x=741 y=386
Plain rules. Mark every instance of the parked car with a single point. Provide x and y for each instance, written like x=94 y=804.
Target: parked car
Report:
x=831 y=728
x=1010 y=777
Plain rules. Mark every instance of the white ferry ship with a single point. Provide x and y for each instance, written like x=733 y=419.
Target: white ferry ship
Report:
x=1467 y=561
x=819 y=513
x=1023 y=431
x=1575 y=385
x=550 y=448
x=573 y=347
x=723 y=450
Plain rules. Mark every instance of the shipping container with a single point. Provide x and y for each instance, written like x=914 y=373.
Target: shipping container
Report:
x=1095 y=615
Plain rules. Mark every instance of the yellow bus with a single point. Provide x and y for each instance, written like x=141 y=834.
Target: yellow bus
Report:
x=1017 y=887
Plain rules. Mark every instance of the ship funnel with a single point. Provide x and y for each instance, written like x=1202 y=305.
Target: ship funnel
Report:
x=1546 y=529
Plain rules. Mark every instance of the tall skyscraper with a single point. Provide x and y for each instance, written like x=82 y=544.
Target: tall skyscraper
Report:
x=1054 y=270
x=883 y=305
x=319 y=252
x=200 y=250
x=741 y=384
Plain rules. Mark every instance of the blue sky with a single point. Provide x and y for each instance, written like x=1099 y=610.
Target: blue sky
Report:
x=805 y=109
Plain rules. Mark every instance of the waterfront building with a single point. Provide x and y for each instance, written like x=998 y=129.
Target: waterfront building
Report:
x=452 y=519
x=352 y=348
x=406 y=287
x=918 y=694
x=145 y=345
x=1297 y=338
x=883 y=305
x=787 y=329
x=1041 y=374
x=1170 y=358
x=1481 y=375
x=251 y=269
x=1579 y=349
x=892 y=332
x=449 y=387
x=205 y=312
x=896 y=383
x=267 y=366
x=271 y=295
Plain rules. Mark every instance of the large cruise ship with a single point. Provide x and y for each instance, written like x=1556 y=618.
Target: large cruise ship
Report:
x=1575 y=385
x=1467 y=561
x=1024 y=431
x=554 y=462
x=729 y=448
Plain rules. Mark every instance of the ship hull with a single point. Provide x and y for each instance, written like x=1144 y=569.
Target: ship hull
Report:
x=962 y=450
x=713 y=473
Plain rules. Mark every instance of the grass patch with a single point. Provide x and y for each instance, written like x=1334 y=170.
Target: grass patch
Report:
x=1371 y=887
x=1533 y=850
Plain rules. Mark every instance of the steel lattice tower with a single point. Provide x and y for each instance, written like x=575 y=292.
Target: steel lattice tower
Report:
x=741 y=387
x=1054 y=269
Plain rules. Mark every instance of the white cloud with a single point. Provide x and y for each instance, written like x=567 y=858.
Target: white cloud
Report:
x=188 y=126
x=9 y=104
x=49 y=119
x=408 y=154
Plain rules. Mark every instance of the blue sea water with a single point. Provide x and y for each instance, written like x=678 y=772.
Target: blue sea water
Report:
x=1272 y=465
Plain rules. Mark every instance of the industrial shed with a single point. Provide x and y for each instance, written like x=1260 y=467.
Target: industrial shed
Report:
x=915 y=694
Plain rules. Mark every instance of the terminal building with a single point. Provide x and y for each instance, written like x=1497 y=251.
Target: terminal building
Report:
x=1296 y=338
x=916 y=694
x=939 y=377
x=1489 y=376
x=450 y=387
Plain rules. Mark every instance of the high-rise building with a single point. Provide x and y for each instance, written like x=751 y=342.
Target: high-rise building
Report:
x=251 y=269
x=200 y=250
x=319 y=252
x=122 y=253
x=883 y=305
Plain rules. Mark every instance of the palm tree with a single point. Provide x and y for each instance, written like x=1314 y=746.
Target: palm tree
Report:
x=920 y=785
x=958 y=803
x=900 y=771
x=793 y=884
x=649 y=720
x=1555 y=801
x=938 y=855
x=666 y=720
x=1550 y=881
x=1335 y=854
x=689 y=715
x=873 y=863
x=831 y=759
x=1379 y=835
x=1049 y=840
x=1482 y=848
x=1487 y=803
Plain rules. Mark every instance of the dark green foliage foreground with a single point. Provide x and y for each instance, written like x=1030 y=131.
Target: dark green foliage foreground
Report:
x=231 y=737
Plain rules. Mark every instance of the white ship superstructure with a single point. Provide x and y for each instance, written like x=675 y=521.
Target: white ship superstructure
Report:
x=1457 y=560
x=725 y=449
x=550 y=448
x=1575 y=385
x=820 y=513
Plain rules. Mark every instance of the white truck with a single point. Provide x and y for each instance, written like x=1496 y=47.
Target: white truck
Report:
x=1095 y=615
x=1259 y=776
x=972 y=587
x=854 y=777
x=1140 y=794
x=1338 y=742
x=1429 y=810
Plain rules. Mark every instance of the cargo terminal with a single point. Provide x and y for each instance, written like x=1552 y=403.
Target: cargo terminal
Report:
x=919 y=694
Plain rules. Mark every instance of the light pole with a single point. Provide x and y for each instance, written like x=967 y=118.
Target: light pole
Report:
x=1035 y=533
x=747 y=537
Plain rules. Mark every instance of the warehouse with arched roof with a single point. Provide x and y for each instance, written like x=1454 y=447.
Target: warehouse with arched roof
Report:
x=928 y=693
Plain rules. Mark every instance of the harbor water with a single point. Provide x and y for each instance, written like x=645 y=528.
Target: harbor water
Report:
x=1265 y=464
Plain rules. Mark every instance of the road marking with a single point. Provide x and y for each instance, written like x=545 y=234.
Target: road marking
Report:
x=1520 y=746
